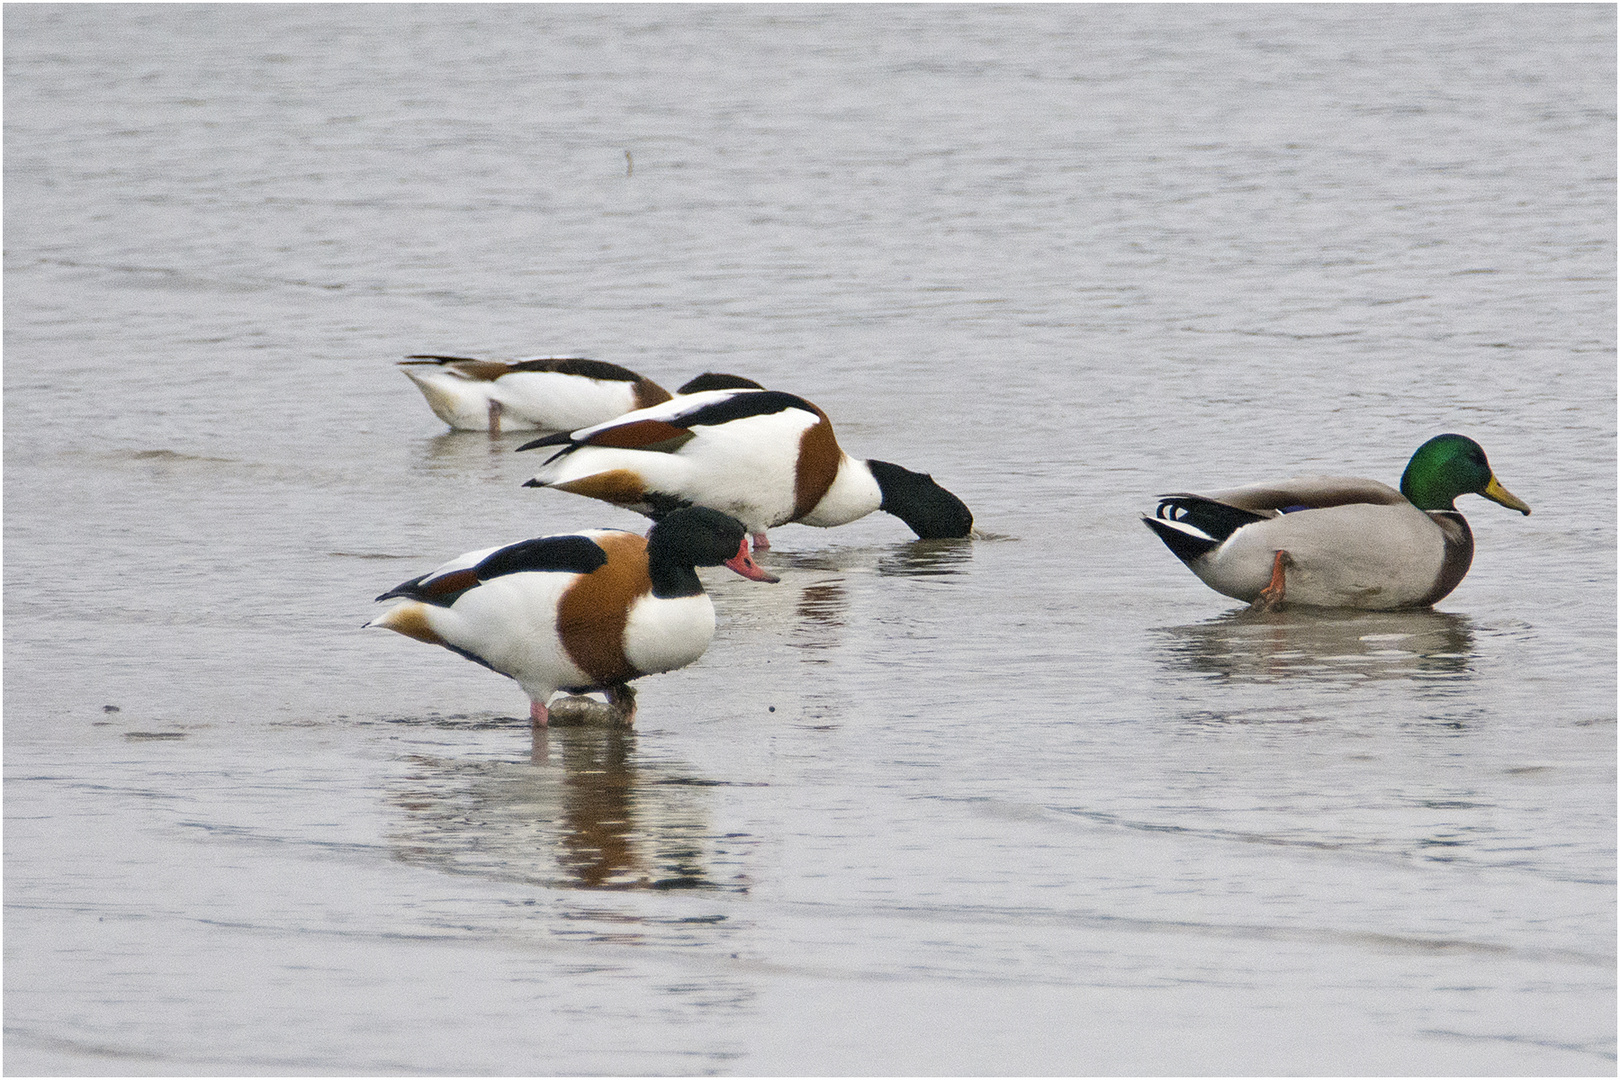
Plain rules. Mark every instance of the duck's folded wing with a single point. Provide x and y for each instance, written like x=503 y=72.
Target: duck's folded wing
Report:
x=1308 y=493
x=545 y=554
x=490 y=370
x=644 y=434
x=556 y=554
x=600 y=370
x=668 y=426
x=463 y=366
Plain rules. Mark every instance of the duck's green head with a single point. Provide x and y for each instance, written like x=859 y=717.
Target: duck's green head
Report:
x=1448 y=466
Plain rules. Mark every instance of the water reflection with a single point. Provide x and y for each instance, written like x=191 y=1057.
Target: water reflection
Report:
x=822 y=610
x=454 y=451
x=917 y=558
x=1325 y=645
x=826 y=560
x=927 y=558
x=587 y=811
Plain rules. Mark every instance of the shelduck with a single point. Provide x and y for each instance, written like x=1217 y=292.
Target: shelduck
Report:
x=1336 y=541
x=715 y=380
x=578 y=612
x=763 y=456
x=544 y=394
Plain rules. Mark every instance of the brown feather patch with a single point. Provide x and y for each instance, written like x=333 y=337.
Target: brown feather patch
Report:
x=618 y=486
x=592 y=613
x=480 y=370
x=642 y=435
x=411 y=620
x=819 y=456
x=1459 y=554
x=455 y=581
x=649 y=393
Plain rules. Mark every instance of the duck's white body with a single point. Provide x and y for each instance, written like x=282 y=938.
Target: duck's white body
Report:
x=748 y=468
x=764 y=457
x=514 y=624
x=575 y=612
x=511 y=625
x=549 y=394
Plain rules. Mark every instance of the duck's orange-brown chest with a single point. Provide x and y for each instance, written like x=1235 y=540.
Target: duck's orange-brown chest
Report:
x=817 y=467
x=591 y=615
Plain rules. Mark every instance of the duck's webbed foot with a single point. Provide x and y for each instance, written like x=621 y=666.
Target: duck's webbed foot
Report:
x=623 y=699
x=1271 y=597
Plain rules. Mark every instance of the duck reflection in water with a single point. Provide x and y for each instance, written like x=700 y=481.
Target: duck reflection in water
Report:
x=1324 y=645
x=464 y=455
x=456 y=449
x=596 y=820
x=822 y=609
x=926 y=558
x=586 y=811
x=919 y=558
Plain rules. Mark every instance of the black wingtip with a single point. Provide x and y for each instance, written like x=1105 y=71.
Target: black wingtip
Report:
x=404 y=590
x=559 y=438
x=932 y=512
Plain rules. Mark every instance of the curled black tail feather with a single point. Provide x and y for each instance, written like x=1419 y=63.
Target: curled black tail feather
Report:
x=1184 y=546
x=1205 y=524
x=1217 y=520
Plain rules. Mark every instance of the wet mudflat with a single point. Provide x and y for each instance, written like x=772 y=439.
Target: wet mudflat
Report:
x=1035 y=802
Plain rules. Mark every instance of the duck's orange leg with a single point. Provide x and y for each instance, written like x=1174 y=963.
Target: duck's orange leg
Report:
x=494 y=417
x=538 y=716
x=1271 y=597
x=761 y=542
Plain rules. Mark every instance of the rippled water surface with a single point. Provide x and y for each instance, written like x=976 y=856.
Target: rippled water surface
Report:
x=1035 y=802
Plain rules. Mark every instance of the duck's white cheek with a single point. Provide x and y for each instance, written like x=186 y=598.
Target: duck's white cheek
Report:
x=661 y=635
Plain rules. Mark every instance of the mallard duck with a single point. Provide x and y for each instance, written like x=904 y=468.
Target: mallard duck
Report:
x=1334 y=541
x=578 y=612
x=544 y=394
x=763 y=456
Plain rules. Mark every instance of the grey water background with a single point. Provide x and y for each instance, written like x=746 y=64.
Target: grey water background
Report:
x=1037 y=802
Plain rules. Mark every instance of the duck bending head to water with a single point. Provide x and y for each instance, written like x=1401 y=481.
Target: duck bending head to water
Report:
x=763 y=456
x=552 y=393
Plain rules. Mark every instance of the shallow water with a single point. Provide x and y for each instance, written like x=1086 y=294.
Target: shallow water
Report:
x=1037 y=802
